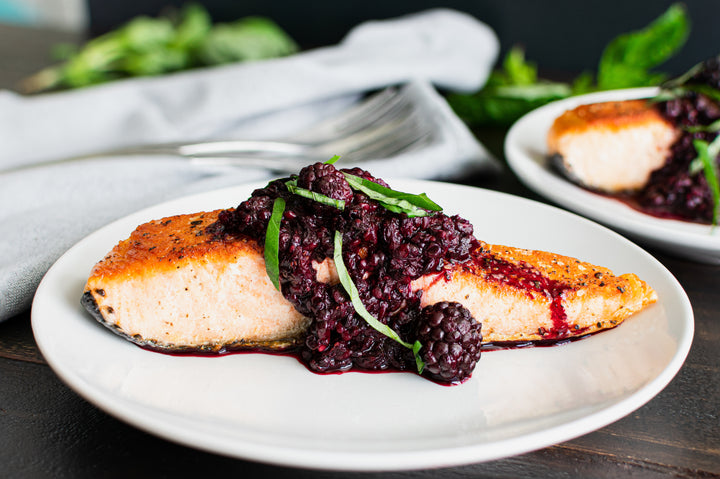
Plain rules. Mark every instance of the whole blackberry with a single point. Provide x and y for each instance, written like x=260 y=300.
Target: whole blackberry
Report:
x=450 y=339
x=325 y=179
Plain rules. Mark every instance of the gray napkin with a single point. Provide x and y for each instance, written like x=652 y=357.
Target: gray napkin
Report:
x=45 y=210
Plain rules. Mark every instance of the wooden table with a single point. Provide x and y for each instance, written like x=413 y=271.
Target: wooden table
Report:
x=46 y=430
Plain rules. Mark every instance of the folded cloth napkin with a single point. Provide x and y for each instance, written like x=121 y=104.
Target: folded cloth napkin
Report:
x=46 y=209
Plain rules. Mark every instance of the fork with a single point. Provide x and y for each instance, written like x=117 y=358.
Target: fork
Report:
x=382 y=125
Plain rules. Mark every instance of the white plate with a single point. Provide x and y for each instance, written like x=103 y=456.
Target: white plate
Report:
x=272 y=409
x=526 y=152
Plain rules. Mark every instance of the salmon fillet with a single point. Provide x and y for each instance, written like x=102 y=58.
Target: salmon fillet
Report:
x=524 y=295
x=613 y=146
x=171 y=287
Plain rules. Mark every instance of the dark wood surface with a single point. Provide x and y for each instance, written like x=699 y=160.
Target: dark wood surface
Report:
x=46 y=430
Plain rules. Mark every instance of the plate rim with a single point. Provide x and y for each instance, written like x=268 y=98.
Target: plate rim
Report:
x=371 y=461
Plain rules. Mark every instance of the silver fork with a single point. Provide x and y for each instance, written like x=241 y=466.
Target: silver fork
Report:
x=383 y=125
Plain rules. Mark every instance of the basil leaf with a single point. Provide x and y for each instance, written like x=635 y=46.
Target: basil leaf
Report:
x=395 y=201
x=713 y=127
x=508 y=94
x=518 y=70
x=682 y=79
x=352 y=291
x=249 y=38
x=272 y=243
x=320 y=198
x=332 y=160
x=627 y=59
x=708 y=153
x=706 y=90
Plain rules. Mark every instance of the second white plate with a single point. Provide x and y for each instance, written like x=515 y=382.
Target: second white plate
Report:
x=526 y=152
x=272 y=409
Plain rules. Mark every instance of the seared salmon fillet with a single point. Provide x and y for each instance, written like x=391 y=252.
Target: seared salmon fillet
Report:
x=524 y=295
x=170 y=286
x=612 y=146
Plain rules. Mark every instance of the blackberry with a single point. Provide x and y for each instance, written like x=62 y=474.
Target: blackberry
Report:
x=325 y=179
x=450 y=339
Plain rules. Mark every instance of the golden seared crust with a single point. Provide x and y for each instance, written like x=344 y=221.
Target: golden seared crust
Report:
x=611 y=146
x=570 y=271
x=162 y=244
x=614 y=115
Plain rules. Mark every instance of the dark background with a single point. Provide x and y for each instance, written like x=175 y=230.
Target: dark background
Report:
x=561 y=36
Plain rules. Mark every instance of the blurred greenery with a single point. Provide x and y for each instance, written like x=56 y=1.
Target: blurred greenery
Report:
x=148 y=46
x=626 y=62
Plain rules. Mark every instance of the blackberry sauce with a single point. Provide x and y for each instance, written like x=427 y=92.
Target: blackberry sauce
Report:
x=532 y=282
x=383 y=252
x=672 y=190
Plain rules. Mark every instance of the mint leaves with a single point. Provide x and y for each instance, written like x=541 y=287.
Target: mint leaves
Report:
x=352 y=291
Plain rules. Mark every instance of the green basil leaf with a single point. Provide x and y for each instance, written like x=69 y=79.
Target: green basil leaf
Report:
x=519 y=71
x=627 y=59
x=713 y=127
x=320 y=198
x=708 y=154
x=395 y=201
x=682 y=79
x=360 y=309
x=696 y=166
x=706 y=90
x=250 y=38
x=332 y=160
x=272 y=243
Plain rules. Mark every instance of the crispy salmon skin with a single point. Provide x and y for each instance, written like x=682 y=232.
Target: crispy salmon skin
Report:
x=170 y=286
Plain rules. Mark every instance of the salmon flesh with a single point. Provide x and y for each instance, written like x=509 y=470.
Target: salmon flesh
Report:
x=172 y=287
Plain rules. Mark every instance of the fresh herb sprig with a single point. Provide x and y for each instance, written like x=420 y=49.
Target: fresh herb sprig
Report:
x=395 y=201
x=627 y=61
x=683 y=86
x=148 y=46
x=272 y=243
x=713 y=127
x=312 y=195
x=352 y=291
x=706 y=162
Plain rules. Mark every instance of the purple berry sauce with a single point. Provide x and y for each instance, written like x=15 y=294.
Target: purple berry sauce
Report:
x=530 y=280
x=383 y=252
x=672 y=190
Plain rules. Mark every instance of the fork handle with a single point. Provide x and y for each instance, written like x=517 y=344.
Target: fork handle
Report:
x=278 y=164
x=273 y=155
x=241 y=147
